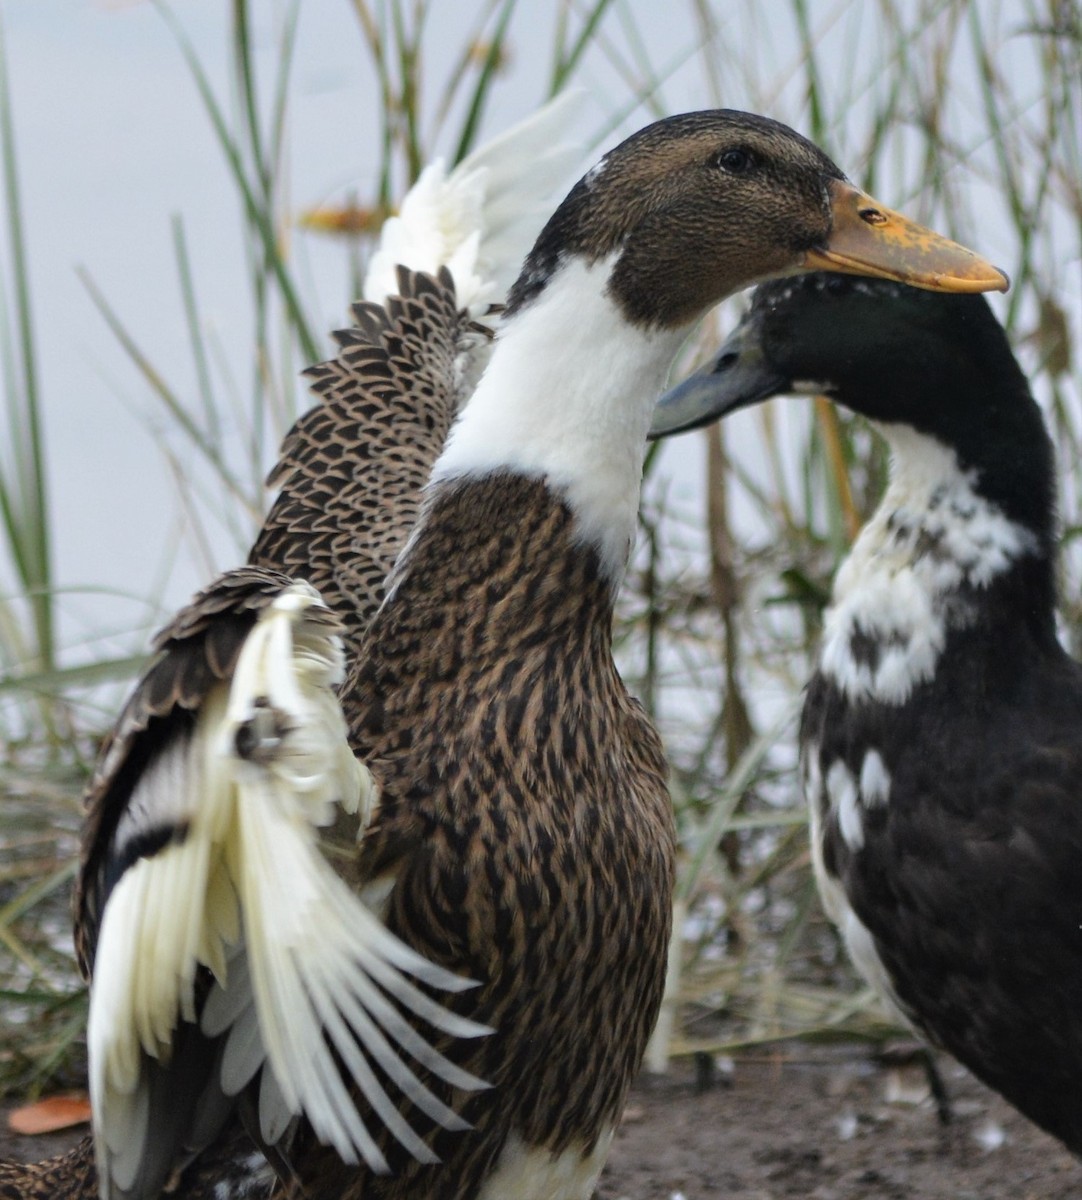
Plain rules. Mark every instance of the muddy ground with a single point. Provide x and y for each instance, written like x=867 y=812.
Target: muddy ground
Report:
x=822 y=1124
x=830 y=1125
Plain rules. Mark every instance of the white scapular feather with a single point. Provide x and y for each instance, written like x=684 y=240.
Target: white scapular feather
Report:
x=304 y=970
x=481 y=218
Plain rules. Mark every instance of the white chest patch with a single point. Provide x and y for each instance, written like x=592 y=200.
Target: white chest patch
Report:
x=899 y=591
x=533 y=1173
x=821 y=797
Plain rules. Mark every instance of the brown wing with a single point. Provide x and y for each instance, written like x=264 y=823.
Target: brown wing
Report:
x=353 y=468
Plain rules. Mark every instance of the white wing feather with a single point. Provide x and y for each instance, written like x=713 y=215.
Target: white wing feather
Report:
x=303 y=969
x=481 y=218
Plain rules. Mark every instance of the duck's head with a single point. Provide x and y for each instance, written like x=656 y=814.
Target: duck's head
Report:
x=940 y=365
x=890 y=352
x=698 y=206
x=678 y=217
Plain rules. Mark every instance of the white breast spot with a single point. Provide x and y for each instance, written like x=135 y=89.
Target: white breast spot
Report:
x=904 y=585
x=845 y=801
x=874 y=780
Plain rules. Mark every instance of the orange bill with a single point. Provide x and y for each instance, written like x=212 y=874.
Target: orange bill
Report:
x=869 y=239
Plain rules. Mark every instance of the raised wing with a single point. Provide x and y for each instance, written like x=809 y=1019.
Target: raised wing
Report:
x=480 y=219
x=353 y=468
x=222 y=945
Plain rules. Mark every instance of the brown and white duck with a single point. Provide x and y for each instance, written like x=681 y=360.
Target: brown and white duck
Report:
x=480 y=217
x=523 y=837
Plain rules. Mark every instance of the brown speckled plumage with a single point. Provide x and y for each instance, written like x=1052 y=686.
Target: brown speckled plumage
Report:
x=351 y=470
x=70 y=1174
x=231 y=1164
x=523 y=814
x=526 y=822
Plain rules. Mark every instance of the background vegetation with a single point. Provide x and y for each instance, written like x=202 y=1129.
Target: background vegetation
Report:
x=967 y=115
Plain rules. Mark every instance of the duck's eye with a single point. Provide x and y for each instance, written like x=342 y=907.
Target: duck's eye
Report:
x=735 y=161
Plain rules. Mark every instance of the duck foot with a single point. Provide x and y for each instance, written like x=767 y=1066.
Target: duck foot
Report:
x=944 y=1109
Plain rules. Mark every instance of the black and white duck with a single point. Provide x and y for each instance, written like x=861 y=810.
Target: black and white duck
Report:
x=520 y=833
x=941 y=739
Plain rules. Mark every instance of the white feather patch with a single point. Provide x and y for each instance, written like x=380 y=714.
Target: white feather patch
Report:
x=860 y=945
x=568 y=396
x=842 y=790
x=858 y=940
x=481 y=218
x=539 y=1174
x=301 y=963
x=165 y=916
x=897 y=590
x=874 y=780
x=831 y=891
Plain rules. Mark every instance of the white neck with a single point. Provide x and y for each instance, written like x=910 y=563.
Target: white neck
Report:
x=903 y=584
x=568 y=395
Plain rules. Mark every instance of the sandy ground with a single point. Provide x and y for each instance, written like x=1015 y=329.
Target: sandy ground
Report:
x=820 y=1124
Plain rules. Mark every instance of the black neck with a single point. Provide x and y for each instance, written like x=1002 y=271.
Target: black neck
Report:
x=940 y=364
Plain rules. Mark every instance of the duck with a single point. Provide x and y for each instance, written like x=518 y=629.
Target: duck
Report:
x=498 y=609
x=940 y=743
x=516 y=837
x=477 y=219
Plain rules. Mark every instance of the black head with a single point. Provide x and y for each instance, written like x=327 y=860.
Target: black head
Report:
x=939 y=363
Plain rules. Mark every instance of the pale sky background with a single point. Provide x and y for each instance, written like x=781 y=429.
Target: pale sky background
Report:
x=112 y=141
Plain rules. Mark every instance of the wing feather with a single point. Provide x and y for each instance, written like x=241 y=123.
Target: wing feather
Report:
x=210 y=918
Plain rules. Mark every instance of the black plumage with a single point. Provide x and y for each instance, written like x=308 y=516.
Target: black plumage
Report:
x=941 y=737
